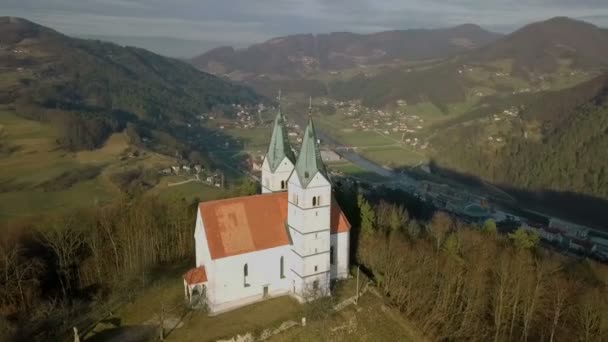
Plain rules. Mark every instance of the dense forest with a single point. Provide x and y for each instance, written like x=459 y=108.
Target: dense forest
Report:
x=561 y=152
x=90 y=89
x=463 y=282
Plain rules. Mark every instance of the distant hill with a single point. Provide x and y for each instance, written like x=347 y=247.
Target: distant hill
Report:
x=538 y=47
x=559 y=45
x=440 y=85
x=298 y=55
x=95 y=88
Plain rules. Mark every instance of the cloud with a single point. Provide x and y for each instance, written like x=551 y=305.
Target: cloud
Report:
x=242 y=22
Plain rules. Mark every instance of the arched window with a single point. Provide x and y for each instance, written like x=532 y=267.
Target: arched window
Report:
x=245 y=274
x=282 y=265
x=331 y=255
x=314 y=201
x=282 y=185
x=318 y=200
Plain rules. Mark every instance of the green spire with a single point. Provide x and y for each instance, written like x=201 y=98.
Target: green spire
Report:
x=309 y=160
x=279 y=147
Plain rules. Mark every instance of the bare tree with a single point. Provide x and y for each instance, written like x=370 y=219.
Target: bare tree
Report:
x=562 y=292
x=440 y=225
x=65 y=240
x=20 y=275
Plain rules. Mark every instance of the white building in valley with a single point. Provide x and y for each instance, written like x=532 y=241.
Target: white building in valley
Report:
x=292 y=239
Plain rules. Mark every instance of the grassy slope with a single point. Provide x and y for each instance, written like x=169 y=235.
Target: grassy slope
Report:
x=369 y=321
x=37 y=160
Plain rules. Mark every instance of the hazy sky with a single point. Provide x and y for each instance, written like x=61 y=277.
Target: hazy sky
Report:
x=188 y=27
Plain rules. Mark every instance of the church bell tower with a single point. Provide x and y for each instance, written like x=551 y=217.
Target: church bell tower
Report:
x=279 y=160
x=308 y=219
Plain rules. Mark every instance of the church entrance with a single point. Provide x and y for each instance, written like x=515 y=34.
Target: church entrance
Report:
x=265 y=291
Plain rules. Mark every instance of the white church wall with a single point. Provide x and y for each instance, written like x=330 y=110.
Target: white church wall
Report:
x=263 y=270
x=341 y=247
x=203 y=255
x=304 y=266
x=309 y=220
x=303 y=288
x=311 y=243
x=271 y=181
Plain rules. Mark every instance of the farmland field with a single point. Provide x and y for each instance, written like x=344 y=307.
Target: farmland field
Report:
x=33 y=172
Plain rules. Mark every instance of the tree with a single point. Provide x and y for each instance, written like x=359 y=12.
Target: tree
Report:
x=247 y=187
x=589 y=316
x=489 y=227
x=398 y=217
x=65 y=241
x=20 y=275
x=368 y=215
x=413 y=229
x=523 y=239
x=440 y=225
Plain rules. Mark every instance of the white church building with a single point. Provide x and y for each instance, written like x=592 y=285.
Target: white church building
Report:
x=292 y=239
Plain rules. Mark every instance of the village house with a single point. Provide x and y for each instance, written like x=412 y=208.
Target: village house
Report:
x=292 y=239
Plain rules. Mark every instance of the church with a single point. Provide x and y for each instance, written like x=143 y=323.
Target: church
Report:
x=292 y=239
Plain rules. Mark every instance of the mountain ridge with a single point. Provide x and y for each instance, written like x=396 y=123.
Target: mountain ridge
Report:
x=539 y=46
x=298 y=54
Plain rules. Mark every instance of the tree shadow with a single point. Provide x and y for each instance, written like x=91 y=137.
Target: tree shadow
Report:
x=133 y=333
x=545 y=203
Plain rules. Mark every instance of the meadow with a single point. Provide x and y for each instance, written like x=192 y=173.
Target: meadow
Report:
x=36 y=177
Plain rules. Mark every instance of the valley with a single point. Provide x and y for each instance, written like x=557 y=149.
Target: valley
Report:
x=459 y=186
x=463 y=111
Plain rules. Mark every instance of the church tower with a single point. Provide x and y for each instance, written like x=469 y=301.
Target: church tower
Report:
x=308 y=219
x=279 y=160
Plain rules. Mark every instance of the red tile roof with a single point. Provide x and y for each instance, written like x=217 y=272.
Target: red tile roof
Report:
x=339 y=222
x=246 y=224
x=196 y=276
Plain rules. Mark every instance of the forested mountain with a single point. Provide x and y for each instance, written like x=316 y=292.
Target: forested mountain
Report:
x=92 y=88
x=538 y=47
x=558 y=143
x=297 y=55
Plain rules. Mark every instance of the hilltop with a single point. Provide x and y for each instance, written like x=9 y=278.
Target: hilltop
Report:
x=551 y=54
x=302 y=54
x=539 y=47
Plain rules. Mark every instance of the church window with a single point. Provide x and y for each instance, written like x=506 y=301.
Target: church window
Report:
x=305 y=174
x=282 y=185
x=316 y=267
x=331 y=255
x=314 y=201
x=245 y=274
x=282 y=268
